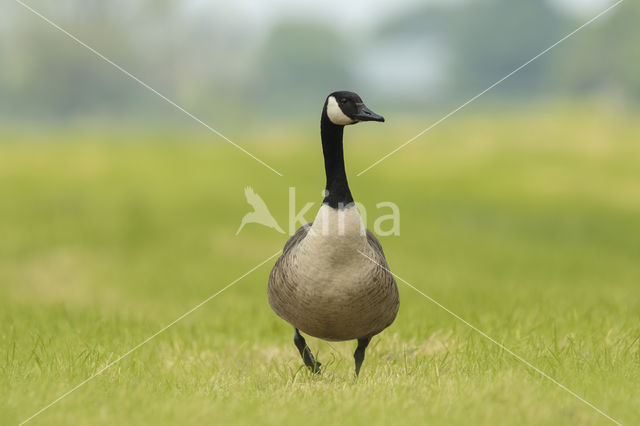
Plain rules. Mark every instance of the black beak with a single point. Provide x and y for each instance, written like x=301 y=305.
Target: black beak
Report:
x=365 y=114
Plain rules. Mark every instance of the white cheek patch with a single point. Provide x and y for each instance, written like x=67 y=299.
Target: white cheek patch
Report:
x=335 y=114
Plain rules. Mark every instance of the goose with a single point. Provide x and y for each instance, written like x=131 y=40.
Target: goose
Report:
x=332 y=280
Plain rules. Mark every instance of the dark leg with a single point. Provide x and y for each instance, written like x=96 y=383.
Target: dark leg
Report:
x=305 y=352
x=359 y=353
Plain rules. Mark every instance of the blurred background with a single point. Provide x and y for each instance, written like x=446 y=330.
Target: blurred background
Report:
x=228 y=61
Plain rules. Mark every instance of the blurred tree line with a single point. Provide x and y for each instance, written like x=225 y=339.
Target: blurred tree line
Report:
x=228 y=65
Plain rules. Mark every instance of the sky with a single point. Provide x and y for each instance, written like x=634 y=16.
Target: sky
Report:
x=360 y=15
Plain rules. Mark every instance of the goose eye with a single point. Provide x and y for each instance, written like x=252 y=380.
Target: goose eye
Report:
x=343 y=100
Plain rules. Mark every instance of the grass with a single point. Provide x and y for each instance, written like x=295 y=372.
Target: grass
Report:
x=526 y=226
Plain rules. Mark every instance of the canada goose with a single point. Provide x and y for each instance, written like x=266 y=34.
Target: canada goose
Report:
x=322 y=284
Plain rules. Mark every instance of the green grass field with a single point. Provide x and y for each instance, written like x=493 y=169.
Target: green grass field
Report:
x=527 y=226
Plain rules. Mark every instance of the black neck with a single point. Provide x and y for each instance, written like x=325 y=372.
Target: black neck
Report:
x=338 y=194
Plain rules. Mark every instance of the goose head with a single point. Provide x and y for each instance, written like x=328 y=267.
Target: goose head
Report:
x=343 y=108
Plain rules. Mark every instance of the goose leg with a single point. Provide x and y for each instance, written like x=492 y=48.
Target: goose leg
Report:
x=305 y=352
x=359 y=353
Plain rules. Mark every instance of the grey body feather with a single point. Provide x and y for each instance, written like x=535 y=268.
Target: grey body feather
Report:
x=334 y=294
